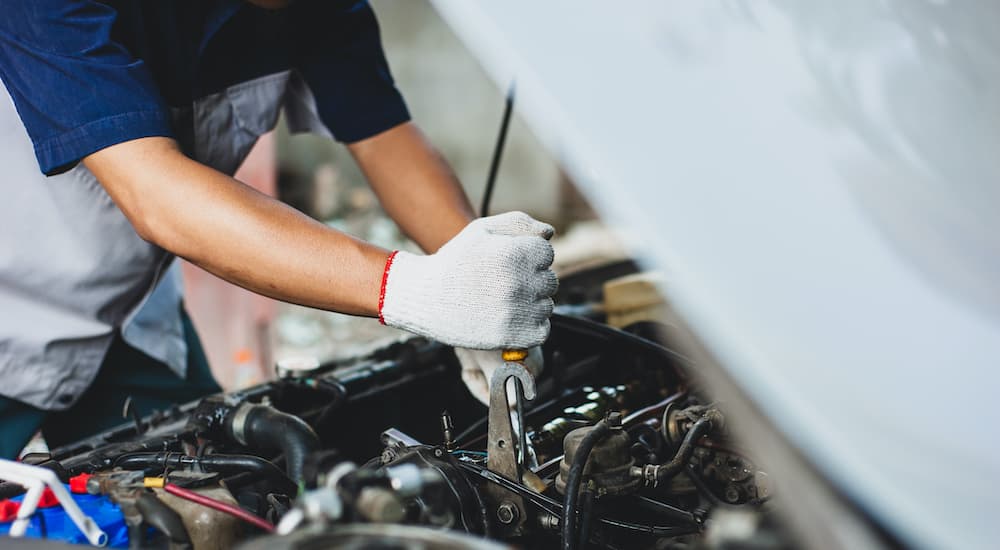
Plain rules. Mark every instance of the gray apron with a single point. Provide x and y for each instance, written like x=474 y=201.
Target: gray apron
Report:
x=72 y=268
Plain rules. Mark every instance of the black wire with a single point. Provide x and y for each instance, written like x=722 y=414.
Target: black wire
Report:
x=462 y=439
x=667 y=510
x=554 y=508
x=605 y=332
x=484 y=209
x=338 y=394
x=484 y=515
x=222 y=463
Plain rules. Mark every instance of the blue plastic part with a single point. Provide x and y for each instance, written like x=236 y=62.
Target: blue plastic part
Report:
x=55 y=524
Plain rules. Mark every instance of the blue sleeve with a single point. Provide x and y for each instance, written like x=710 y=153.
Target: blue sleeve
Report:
x=339 y=55
x=76 y=90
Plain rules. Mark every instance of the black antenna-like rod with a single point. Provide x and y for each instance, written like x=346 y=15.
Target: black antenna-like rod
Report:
x=484 y=210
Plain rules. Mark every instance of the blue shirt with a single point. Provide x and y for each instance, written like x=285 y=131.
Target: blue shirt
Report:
x=85 y=75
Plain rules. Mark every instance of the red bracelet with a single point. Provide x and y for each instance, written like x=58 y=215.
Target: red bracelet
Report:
x=385 y=279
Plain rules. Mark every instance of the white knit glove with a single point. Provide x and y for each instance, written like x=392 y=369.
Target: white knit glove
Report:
x=478 y=366
x=490 y=287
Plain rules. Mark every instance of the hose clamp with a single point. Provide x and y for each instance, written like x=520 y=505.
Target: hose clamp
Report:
x=647 y=473
x=239 y=423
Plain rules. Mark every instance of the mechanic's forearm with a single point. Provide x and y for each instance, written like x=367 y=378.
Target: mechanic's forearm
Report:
x=415 y=185
x=235 y=232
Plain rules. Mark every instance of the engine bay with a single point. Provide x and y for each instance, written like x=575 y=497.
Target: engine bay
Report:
x=621 y=447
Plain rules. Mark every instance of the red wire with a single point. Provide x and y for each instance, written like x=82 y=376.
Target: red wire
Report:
x=220 y=506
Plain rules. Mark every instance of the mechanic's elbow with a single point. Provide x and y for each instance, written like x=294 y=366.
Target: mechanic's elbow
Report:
x=128 y=172
x=154 y=227
x=145 y=224
x=145 y=229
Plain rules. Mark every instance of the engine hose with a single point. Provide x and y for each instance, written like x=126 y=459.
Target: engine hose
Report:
x=668 y=471
x=222 y=463
x=164 y=519
x=573 y=481
x=266 y=428
x=586 y=516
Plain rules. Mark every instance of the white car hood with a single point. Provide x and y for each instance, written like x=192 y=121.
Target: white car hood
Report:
x=822 y=185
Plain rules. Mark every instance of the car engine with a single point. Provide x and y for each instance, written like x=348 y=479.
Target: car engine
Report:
x=616 y=444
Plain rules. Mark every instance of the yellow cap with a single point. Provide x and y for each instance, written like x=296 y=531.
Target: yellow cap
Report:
x=514 y=354
x=153 y=482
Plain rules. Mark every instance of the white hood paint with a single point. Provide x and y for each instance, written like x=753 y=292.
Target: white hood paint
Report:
x=822 y=185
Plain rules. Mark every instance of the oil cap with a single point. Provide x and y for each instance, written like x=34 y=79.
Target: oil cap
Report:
x=296 y=366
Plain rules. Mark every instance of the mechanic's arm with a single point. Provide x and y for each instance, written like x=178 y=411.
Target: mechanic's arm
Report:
x=415 y=185
x=489 y=287
x=235 y=232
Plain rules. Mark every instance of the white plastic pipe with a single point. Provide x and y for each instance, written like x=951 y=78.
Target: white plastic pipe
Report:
x=35 y=479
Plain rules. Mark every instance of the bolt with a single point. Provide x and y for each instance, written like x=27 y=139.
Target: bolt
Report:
x=507 y=512
x=548 y=521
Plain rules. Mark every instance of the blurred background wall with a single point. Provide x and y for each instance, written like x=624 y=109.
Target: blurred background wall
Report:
x=459 y=108
x=455 y=103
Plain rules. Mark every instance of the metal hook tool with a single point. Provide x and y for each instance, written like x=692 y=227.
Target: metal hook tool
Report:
x=502 y=452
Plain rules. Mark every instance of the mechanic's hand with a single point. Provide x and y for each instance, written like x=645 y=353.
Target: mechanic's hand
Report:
x=490 y=287
x=478 y=366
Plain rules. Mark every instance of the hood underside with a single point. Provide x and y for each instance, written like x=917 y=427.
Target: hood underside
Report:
x=820 y=185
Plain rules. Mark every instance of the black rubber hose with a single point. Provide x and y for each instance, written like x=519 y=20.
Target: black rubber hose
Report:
x=668 y=471
x=586 y=516
x=164 y=519
x=266 y=428
x=573 y=480
x=222 y=463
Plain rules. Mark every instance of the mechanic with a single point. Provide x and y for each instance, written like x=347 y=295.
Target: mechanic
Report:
x=137 y=113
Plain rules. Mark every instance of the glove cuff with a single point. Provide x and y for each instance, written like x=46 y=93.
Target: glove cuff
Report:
x=411 y=296
x=385 y=279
